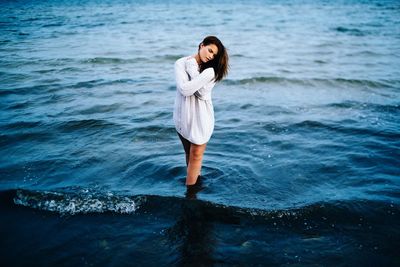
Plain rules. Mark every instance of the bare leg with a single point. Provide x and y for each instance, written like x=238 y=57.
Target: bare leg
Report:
x=195 y=160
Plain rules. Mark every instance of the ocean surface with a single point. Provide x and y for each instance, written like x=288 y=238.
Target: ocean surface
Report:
x=303 y=168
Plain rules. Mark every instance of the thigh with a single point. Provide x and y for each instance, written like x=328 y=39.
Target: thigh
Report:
x=186 y=144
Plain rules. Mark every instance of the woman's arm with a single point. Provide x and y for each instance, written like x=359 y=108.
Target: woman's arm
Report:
x=192 y=68
x=186 y=87
x=205 y=92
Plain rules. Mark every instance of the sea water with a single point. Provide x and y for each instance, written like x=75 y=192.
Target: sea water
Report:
x=302 y=168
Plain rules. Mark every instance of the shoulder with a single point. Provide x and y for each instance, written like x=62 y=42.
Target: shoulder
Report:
x=180 y=63
x=191 y=62
x=209 y=72
x=182 y=59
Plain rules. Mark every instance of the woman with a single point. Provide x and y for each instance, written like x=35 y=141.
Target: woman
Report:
x=196 y=76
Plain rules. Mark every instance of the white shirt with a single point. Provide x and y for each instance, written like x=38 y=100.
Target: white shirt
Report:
x=193 y=111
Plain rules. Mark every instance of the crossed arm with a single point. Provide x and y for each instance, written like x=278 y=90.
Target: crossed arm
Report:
x=197 y=82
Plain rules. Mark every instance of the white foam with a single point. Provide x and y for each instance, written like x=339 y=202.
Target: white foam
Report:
x=74 y=204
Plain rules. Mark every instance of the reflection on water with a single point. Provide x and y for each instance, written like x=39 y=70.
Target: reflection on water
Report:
x=193 y=235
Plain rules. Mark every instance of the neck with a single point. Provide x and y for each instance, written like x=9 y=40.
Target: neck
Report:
x=197 y=57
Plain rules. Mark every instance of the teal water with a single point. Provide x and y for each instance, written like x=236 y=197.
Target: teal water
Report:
x=307 y=126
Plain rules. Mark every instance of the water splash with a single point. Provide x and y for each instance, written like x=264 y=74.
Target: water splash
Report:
x=82 y=202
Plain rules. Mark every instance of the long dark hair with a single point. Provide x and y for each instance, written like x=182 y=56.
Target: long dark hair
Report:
x=219 y=62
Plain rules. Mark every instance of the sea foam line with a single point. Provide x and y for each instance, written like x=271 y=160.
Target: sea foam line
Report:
x=75 y=204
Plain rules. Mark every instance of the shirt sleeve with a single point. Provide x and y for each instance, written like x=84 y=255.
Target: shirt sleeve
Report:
x=186 y=87
x=204 y=92
x=192 y=68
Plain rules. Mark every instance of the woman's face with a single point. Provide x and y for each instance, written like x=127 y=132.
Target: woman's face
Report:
x=208 y=52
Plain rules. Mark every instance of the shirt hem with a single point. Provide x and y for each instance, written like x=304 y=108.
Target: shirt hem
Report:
x=190 y=140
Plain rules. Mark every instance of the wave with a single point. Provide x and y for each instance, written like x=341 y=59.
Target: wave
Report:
x=17 y=125
x=314 y=82
x=111 y=60
x=309 y=125
x=20 y=131
x=83 y=201
x=101 y=109
x=101 y=82
x=73 y=125
x=39 y=136
x=136 y=60
x=351 y=31
x=30 y=90
x=52 y=87
x=387 y=108
x=72 y=201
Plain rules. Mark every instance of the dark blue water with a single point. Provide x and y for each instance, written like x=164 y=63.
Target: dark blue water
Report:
x=302 y=169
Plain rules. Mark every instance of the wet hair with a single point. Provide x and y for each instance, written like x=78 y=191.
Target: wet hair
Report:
x=219 y=62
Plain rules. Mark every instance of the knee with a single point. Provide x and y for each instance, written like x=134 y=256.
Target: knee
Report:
x=196 y=154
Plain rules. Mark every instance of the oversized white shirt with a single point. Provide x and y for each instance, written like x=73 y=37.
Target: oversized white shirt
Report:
x=193 y=111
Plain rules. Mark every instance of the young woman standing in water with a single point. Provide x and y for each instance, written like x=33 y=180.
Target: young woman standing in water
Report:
x=196 y=76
